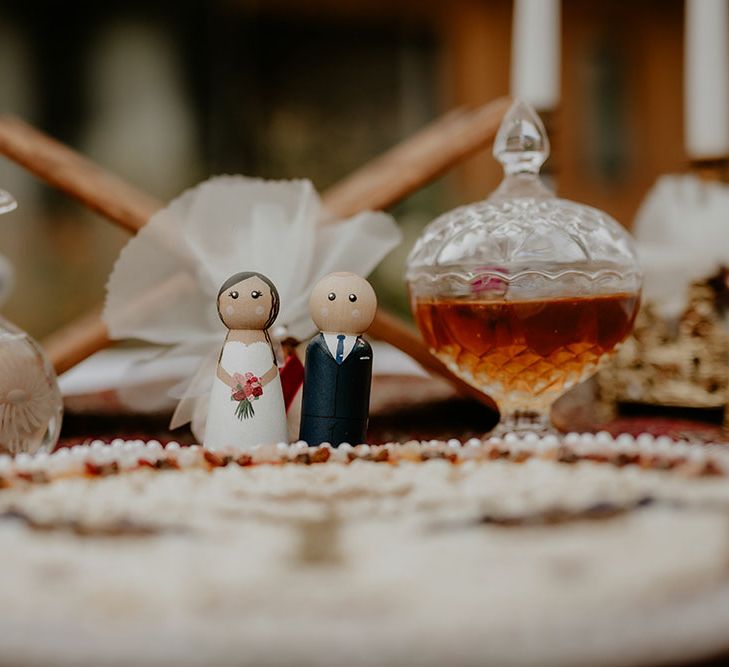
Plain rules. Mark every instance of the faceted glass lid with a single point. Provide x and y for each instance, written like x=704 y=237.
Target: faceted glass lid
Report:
x=522 y=227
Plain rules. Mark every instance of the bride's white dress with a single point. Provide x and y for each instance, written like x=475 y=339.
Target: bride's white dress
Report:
x=268 y=424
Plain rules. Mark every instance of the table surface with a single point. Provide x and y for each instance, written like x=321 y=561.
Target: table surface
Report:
x=408 y=407
x=506 y=552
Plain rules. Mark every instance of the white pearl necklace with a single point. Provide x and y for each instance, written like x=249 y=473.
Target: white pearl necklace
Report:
x=99 y=458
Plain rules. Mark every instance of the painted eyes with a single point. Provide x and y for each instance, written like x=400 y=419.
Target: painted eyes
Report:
x=233 y=294
x=256 y=294
x=331 y=296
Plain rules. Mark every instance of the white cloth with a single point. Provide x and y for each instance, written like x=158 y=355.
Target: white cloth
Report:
x=332 y=341
x=681 y=235
x=268 y=424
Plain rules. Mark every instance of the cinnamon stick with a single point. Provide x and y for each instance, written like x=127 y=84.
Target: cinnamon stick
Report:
x=77 y=340
x=379 y=184
x=65 y=169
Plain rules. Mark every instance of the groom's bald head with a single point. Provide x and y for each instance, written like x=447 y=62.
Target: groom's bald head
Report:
x=343 y=302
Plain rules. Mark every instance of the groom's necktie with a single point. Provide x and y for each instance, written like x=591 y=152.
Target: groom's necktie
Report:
x=340 y=349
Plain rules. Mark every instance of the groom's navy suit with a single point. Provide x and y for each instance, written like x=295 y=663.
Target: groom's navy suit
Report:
x=336 y=399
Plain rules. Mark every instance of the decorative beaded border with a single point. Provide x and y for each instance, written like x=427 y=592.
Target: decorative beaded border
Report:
x=101 y=459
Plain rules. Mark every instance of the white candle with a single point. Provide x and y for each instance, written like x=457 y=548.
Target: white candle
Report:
x=706 y=85
x=535 y=52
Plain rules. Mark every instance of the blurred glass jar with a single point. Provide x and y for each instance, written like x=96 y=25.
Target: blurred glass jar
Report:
x=524 y=294
x=31 y=407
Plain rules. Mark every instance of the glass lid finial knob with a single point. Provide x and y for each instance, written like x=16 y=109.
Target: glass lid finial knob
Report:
x=521 y=144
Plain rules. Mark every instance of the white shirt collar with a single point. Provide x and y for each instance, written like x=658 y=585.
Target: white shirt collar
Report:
x=331 y=340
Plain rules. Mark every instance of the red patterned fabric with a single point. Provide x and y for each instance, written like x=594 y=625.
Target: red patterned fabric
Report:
x=292 y=377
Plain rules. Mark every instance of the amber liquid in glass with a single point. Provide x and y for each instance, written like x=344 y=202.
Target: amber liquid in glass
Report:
x=525 y=353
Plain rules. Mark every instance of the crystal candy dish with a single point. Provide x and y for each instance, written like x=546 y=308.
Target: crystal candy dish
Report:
x=31 y=407
x=524 y=294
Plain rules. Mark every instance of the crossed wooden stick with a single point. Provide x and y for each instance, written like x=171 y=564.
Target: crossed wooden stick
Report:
x=377 y=185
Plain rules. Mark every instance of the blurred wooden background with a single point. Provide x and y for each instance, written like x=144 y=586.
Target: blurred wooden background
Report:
x=166 y=93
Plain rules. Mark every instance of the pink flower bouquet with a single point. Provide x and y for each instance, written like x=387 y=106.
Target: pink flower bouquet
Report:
x=247 y=389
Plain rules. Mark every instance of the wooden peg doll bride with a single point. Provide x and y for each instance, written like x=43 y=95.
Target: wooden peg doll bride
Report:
x=246 y=402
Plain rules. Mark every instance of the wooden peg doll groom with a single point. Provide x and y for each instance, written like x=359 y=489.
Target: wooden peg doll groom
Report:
x=338 y=368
